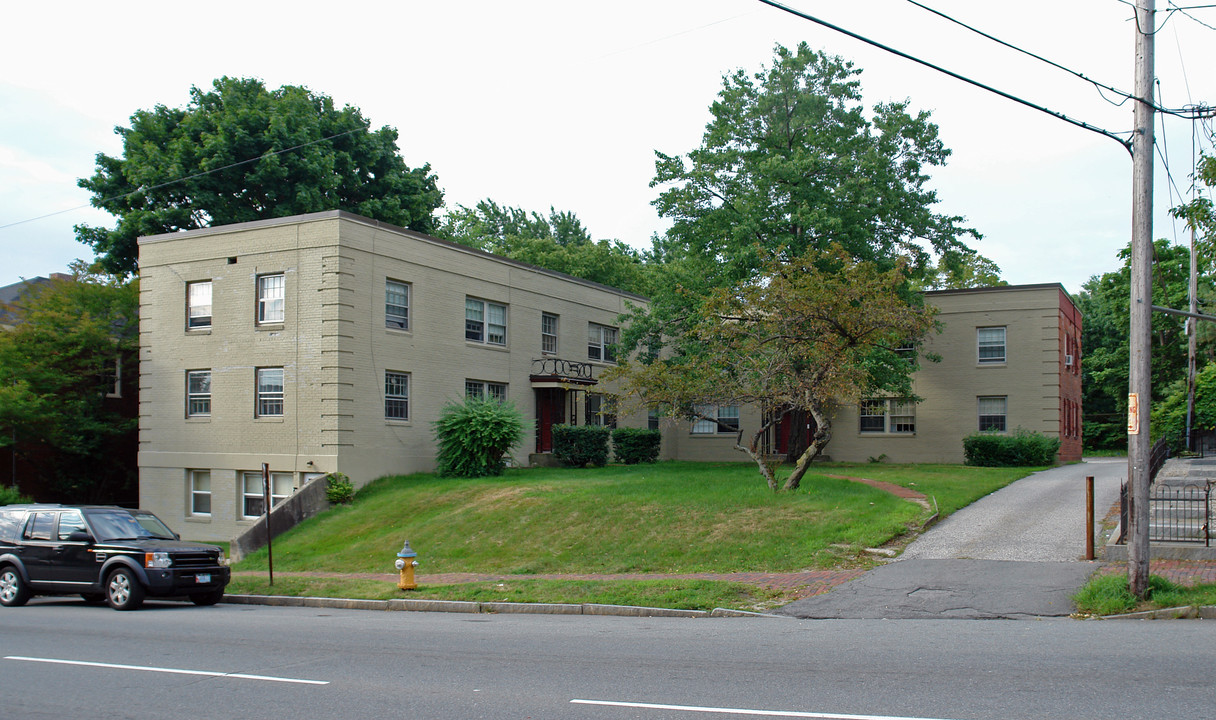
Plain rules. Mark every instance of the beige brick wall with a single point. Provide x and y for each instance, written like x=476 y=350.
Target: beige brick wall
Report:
x=1029 y=378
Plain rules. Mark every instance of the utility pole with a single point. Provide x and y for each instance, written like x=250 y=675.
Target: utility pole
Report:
x=1192 y=344
x=1141 y=301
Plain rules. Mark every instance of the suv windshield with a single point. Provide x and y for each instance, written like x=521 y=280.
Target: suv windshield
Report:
x=124 y=525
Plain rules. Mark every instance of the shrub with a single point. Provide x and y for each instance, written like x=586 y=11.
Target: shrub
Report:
x=339 y=490
x=577 y=445
x=475 y=435
x=636 y=445
x=1021 y=449
x=11 y=496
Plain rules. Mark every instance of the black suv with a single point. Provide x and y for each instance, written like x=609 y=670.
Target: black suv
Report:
x=103 y=553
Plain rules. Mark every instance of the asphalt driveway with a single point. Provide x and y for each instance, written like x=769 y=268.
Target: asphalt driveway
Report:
x=1016 y=553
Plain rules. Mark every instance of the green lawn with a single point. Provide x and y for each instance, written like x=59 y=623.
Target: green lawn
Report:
x=673 y=517
x=1108 y=594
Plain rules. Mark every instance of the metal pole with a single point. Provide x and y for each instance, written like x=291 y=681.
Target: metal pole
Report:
x=266 y=512
x=1089 y=517
x=1140 y=303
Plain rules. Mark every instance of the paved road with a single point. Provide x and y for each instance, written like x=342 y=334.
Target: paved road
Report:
x=60 y=658
x=1014 y=554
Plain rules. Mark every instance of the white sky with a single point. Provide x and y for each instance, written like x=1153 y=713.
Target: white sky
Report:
x=537 y=103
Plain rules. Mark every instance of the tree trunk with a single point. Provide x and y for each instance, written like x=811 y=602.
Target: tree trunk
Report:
x=819 y=440
x=753 y=451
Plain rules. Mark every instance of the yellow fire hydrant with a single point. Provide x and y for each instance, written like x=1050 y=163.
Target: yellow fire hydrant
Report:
x=405 y=565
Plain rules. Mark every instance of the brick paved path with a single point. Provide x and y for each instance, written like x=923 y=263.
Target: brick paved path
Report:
x=1183 y=572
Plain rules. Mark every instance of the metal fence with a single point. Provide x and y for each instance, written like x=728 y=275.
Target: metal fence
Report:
x=1177 y=513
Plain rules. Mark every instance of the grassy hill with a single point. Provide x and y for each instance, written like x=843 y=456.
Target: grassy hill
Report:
x=674 y=517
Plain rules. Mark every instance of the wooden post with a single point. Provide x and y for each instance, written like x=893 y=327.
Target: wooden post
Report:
x=266 y=508
x=1089 y=517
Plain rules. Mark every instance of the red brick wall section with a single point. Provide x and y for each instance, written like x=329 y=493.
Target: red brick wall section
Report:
x=1070 y=380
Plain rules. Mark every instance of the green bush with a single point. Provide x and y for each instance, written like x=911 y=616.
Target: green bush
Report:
x=578 y=445
x=339 y=490
x=1020 y=449
x=475 y=435
x=636 y=445
x=10 y=496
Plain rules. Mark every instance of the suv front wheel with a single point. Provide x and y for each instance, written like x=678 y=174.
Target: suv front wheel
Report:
x=123 y=591
x=13 y=590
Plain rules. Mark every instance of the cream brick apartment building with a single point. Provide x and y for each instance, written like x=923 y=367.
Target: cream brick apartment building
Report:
x=1010 y=357
x=330 y=342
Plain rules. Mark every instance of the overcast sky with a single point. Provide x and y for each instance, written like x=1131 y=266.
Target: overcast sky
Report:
x=539 y=104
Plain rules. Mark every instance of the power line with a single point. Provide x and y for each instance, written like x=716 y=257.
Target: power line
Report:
x=142 y=189
x=1127 y=144
x=1183 y=112
x=1192 y=17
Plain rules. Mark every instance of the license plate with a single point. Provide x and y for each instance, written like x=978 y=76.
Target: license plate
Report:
x=203 y=578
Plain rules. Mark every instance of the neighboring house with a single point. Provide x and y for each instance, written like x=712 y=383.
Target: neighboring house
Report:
x=330 y=342
x=25 y=464
x=11 y=295
x=1010 y=357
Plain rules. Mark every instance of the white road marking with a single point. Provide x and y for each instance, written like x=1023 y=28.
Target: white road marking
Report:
x=175 y=671
x=742 y=711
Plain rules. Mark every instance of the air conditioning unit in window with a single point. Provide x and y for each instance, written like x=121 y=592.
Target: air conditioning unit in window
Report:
x=1068 y=361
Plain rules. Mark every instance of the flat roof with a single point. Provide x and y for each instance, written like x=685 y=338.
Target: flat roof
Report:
x=352 y=217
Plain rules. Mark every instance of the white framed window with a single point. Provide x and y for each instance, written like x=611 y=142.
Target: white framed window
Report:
x=896 y=416
x=396 y=395
x=993 y=413
x=397 y=304
x=115 y=380
x=717 y=419
x=252 y=503
x=485 y=322
x=990 y=345
x=270 y=392
x=271 y=293
x=198 y=393
x=652 y=419
x=200 y=493
x=198 y=304
x=601 y=340
x=872 y=416
x=548 y=333
x=598 y=410
x=481 y=389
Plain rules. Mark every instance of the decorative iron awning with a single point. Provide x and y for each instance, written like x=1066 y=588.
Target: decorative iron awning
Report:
x=555 y=372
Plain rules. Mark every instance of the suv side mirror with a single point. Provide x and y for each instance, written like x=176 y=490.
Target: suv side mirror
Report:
x=80 y=536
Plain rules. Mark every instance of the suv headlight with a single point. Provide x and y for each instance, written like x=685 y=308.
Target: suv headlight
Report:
x=220 y=559
x=156 y=560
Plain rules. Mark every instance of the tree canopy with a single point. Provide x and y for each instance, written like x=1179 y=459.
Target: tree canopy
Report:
x=240 y=152
x=557 y=241
x=1103 y=302
x=791 y=161
x=74 y=344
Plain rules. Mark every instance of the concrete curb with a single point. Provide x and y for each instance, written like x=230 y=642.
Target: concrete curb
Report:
x=1190 y=612
x=461 y=606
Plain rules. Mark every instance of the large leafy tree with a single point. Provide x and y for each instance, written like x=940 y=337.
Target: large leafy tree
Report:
x=792 y=161
x=73 y=345
x=1103 y=302
x=557 y=241
x=239 y=152
x=803 y=334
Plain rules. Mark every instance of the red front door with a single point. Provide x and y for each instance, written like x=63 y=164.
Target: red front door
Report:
x=550 y=411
